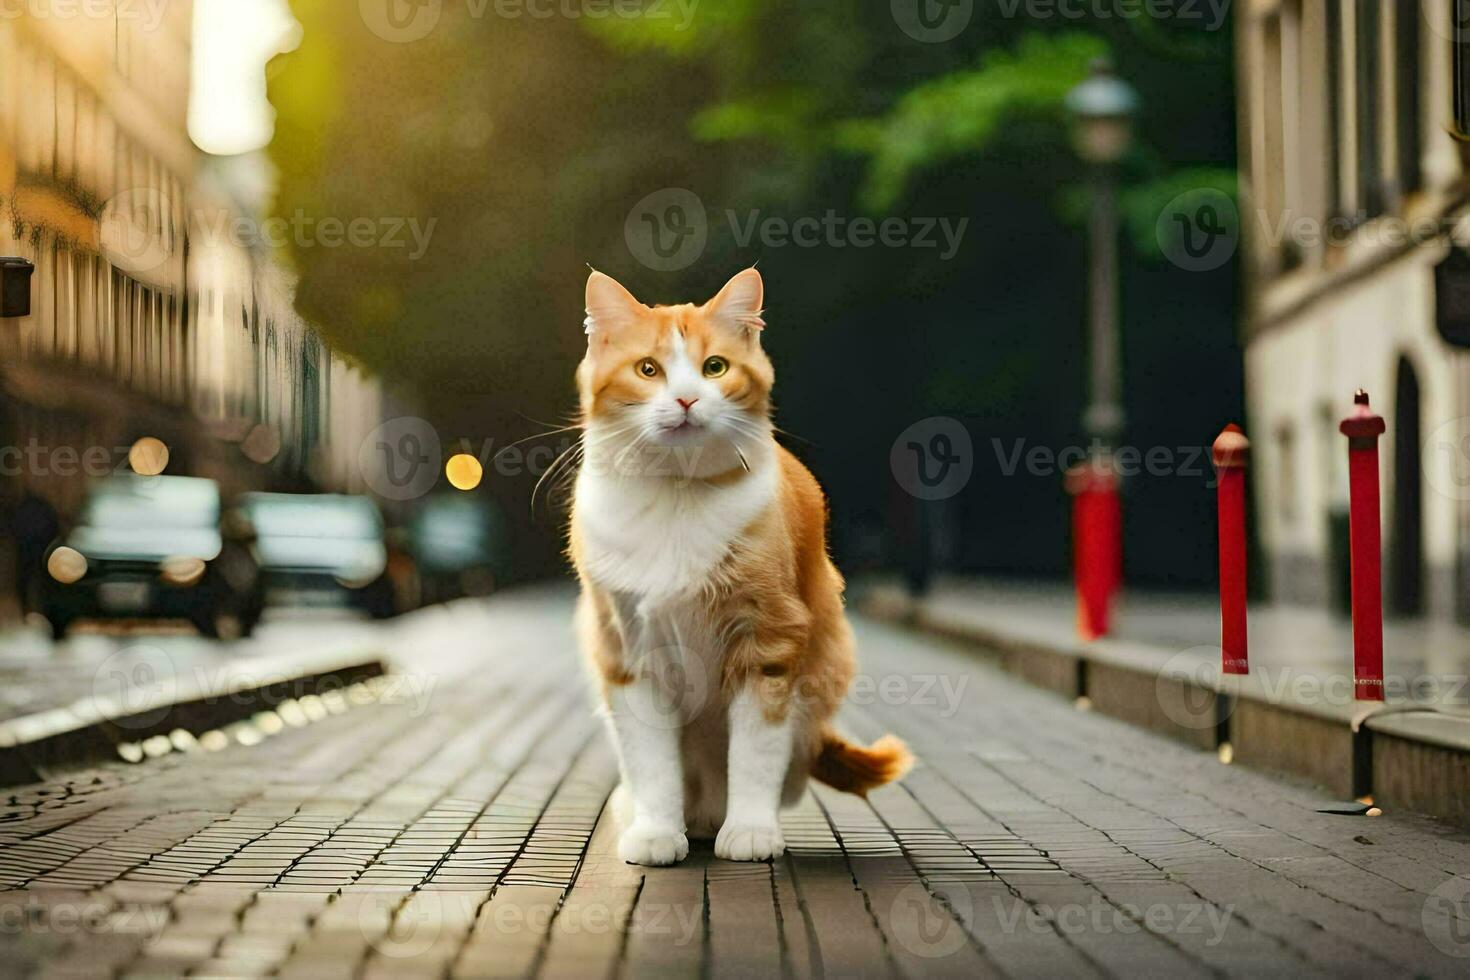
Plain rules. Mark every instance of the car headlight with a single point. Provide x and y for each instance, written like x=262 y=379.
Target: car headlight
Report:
x=181 y=570
x=362 y=569
x=66 y=565
x=358 y=578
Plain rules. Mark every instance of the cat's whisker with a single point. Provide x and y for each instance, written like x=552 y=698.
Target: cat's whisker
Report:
x=538 y=435
x=573 y=451
x=777 y=430
x=573 y=420
x=746 y=427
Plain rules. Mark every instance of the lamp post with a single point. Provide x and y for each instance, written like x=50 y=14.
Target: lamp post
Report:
x=1102 y=110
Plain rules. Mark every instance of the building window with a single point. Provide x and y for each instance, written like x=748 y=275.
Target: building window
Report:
x=1273 y=102
x=1335 y=106
x=1407 y=64
x=1286 y=476
x=1367 y=49
x=1460 y=31
x=122 y=318
x=1279 y=147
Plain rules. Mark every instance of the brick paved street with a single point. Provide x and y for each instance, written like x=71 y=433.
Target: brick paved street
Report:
x=452 y=827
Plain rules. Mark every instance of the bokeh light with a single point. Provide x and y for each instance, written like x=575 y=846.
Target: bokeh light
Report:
x=262 y=444
x=182 y=570
x=464 y=471
x=148 y=456
x=66 y=565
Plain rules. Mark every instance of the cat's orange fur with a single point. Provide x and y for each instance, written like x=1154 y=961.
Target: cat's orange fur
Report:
x=774 y=598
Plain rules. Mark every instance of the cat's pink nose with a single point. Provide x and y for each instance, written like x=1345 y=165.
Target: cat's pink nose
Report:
x=686 y=404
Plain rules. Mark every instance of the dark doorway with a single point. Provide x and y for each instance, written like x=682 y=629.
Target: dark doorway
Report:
x=1406 y=571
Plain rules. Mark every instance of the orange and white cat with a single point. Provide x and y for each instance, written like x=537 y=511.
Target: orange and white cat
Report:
x=710 y=610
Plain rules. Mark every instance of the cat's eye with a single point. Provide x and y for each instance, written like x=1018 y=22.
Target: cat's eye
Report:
x=715 y=366
x=648 y=367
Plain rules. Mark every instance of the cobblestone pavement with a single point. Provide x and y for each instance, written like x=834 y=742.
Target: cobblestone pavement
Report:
x=460 y=833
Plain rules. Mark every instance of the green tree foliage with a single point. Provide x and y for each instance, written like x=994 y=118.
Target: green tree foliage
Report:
x=964 y=112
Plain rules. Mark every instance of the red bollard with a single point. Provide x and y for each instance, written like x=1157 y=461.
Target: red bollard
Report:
x=1097 y=544
x=1230 y=452
x=1363 y=428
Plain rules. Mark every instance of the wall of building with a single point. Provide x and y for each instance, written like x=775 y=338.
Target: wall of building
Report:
x=138 y=281
x=1302 y=375
x=1351 y=192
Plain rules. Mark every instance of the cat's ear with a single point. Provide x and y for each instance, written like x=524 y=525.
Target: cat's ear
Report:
x=741 y=302
x=610 y=307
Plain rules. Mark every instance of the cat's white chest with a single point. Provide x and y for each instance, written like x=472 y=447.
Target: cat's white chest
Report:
x=658 y=538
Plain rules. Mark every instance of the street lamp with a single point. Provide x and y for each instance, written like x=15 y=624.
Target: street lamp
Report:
x=1102 y=110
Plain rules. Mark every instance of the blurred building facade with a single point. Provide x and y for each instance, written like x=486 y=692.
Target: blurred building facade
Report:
x=154 y=310
x=1354 y=220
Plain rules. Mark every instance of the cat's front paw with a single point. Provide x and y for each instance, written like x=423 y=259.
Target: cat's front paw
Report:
x=651 y=845
x=749 y=841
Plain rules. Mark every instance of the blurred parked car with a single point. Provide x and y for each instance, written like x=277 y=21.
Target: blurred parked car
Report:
x=319 y=549
x=148 y=547
x=458 y=544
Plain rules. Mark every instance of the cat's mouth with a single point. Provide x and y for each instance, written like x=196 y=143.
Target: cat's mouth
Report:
x=685 y=429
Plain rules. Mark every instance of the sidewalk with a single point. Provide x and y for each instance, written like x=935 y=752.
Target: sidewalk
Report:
x=1160 y=668
x=1424 y=663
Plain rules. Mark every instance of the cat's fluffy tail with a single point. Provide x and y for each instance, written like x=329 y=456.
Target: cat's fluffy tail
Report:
x=857 y=768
